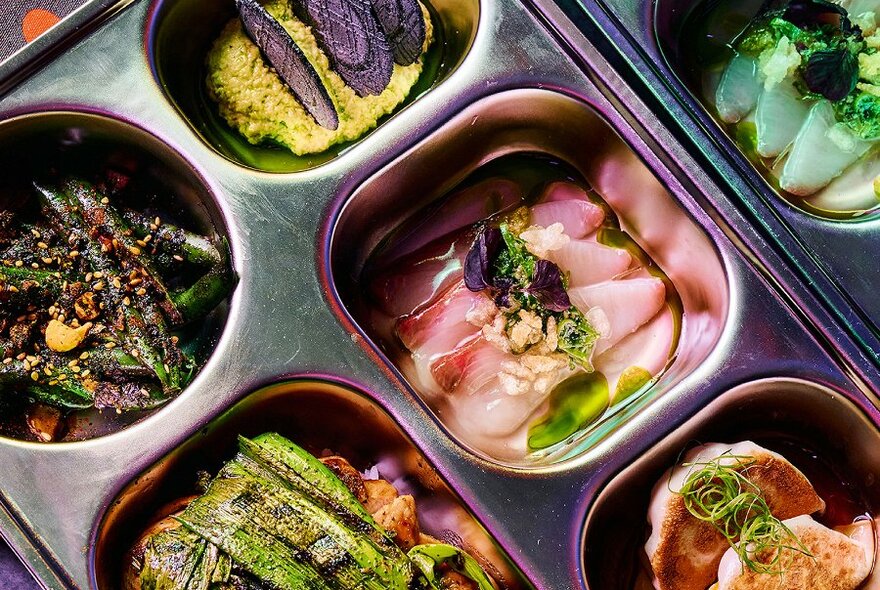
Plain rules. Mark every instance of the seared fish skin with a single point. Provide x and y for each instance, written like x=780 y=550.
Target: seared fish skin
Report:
x=837 y=563
x=684 y=551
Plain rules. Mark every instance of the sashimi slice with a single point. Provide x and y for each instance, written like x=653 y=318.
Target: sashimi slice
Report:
x=628 y=304
x=415 y=280
x=590 y=262
x=853 y=190
x=562 y=191
x=647 y=349
x=579 y=218
x=815 y=159
x=490 y=412
x=779 y=116
x=834 y=562
x=461 y=210
x=441 y=326
x=858 y=7
x=685 y=551
x=477 y=359
x=738 y=90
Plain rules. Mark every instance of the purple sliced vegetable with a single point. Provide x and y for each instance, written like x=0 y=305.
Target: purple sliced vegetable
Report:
x=404 y=27
x=282 y=52
x=348 y=32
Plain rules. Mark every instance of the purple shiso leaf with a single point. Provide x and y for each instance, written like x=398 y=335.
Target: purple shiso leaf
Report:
x=503 y=286
x=813 y=13
x=478 y=262
x=833 y=73
x=404 y=27
x=289 y=62
x=547 y=286
x=348 y=32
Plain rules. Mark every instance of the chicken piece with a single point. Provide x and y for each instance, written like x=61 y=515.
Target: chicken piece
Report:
x=837 y=563
x=684 y=551
x=348 y=475
x=379 y=494
x=399 y=518
x=453 y=580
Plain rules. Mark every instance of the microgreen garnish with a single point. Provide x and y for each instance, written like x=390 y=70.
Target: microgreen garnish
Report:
x=499 y=262
x=719 y=492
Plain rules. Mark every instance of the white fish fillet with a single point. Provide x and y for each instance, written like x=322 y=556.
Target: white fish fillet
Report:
x=590 y=262
x=628 y=304
x=738 y=90
x=779 y=116
x=815 y=160
x=579 y=218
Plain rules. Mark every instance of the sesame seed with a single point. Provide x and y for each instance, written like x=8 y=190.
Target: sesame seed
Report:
x=35 y=265
x=126 y=301
x=135 y=250
x=89 y=277
x=98 y=286
x=141 y=291
x=178 y=257
x=98 y=274
x=157 y=221
x=42 y=245
x=105 y=201
x=110 y=345
x=73 y=254
x=36 y=234
x=84 y=356
x=19 y=263
x=35 y=376
x=46 y=260
x=85 y=373
x=75 y=369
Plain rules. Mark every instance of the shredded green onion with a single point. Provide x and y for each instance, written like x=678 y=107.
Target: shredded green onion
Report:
x=719 y=492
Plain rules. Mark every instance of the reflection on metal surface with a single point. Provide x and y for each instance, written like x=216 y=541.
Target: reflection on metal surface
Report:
x=783 y=414
x=319 y=416
x=545 y=123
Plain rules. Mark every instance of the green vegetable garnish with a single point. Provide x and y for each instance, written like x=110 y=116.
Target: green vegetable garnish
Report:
x=717 y=491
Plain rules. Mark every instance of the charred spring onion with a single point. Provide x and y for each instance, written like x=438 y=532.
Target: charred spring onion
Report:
x=276 y=515
x=719 y=492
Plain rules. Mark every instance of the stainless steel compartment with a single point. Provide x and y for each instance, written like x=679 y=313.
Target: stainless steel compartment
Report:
x=181 y=32
x=34 y=143
x=286 y=322
x=542 y=122
x=834 y=257
x=782 y=414
x=318 y=415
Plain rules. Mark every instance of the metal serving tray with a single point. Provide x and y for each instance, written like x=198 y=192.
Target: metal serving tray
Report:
x=834 y=257
x=67 y=508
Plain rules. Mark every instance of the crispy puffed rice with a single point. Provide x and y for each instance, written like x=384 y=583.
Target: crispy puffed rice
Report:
x=481 y=313
x=542 y=240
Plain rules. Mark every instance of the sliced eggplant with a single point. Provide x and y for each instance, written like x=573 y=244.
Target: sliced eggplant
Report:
x=289 y=62
x=404 y=27
x=348 y=32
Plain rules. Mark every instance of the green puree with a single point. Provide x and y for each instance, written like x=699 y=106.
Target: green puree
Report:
x=254 y=100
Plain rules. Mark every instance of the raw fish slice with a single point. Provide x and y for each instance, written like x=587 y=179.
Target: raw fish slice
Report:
x=837 y=563
x=463 y=209
x=627 y=304
x=815 y=159
x=348 y=33
x=477 y=360
x=590 y=262
x=289 y=62
x=426 y=274
x=853 y=190
x=490 y=412
x=579 y=218
x=441 y=326
x=684 y=551
x=562 y=191
x=780 y=114
x=857 y=7
x=648 y=348
x=738 y=90
x=404 y=27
